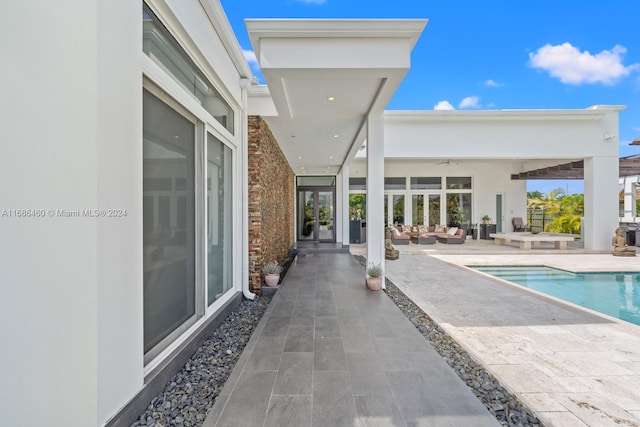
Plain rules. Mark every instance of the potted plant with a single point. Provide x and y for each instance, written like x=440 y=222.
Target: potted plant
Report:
x=486 y=219
x=374 y=277
x=272 y=272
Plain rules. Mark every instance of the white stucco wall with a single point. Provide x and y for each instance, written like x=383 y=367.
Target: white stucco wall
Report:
x=71 y=310
x=52 y=269
x=523 y=134
x=119 y=185
x=489 y=178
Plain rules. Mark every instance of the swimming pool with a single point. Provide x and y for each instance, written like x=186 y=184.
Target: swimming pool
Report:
x=614 y=294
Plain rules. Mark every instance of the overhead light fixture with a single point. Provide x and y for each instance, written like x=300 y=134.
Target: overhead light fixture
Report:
x=331 y=157
x=335 y=135
x=299 y=157
x=331 y=98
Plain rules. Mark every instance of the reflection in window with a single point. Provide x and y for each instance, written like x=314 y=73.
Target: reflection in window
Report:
x=398 y=209
x=459 y=209
x=458 y=183
x=418 y=209
x=434 y=209
x=168 y=220
x=357 y=184
x=395 y=183
x=159 y=45
x=426 y=183
x=218 y=218
x=358 y=206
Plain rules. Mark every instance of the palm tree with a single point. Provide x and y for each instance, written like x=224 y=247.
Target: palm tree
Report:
x=566 y=210
x=570 y=211
x=545 y=201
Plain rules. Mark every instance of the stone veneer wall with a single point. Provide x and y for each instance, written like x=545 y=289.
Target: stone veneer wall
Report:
x=271 y=201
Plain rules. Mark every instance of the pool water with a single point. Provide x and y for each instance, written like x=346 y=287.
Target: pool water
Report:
x=614 y=294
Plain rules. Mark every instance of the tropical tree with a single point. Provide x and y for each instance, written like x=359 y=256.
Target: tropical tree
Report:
x=535 y=195
x=566 y=210
x=568 y=213
x=545 y=201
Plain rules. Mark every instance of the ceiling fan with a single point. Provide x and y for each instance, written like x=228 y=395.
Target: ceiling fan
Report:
x=444 y=162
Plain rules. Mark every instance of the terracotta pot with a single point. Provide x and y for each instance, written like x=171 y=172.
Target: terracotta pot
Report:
x=374 y=283
x=271 y=279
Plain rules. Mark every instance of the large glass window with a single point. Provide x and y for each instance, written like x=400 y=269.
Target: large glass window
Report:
x=159 y=45
x=168 y=220
x=398 y=208
x=316 y=181
x=356 y=184
x=395 y=183
x=417 y=209
x=426 y=183
x=434 y=209
x=459 y=209
x=219 y=220
x=357 y=206
x=458 y=183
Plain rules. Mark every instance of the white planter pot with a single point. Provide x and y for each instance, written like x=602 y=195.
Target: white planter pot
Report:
x=271 y=279
x=374 y=283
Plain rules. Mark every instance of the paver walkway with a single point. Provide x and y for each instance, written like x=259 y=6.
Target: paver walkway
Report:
x=572 y=367
x=328 y=352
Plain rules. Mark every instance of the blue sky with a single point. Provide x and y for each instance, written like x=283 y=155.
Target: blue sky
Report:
x=499 y=54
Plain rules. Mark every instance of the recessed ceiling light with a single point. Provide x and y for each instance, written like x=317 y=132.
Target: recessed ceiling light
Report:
x=299 y=157
x=331 y=98
x=331 y=157
x=335 y=135
x=301 y=167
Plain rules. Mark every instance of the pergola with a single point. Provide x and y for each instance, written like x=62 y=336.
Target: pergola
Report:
x=628 y=166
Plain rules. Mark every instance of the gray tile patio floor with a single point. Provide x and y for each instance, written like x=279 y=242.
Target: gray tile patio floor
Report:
x=328 y=352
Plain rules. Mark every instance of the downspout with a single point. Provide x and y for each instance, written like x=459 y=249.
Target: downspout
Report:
x=245 y=83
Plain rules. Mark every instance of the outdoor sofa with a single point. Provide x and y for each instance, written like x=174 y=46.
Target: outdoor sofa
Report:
x=401 y=234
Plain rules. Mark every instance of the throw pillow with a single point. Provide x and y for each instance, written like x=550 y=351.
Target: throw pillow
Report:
x=452 y=231
x=439 y=228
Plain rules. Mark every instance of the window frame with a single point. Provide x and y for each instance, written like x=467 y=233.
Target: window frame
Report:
x=160 y=82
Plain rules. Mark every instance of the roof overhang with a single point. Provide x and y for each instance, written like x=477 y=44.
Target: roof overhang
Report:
x=628 y=166
x=324 y=78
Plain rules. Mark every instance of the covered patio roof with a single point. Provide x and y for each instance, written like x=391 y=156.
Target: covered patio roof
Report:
x=629 y=166
x=324 y=77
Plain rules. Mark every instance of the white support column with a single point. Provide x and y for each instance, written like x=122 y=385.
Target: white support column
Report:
x=630 y=183
x=600 y=202
x=343 y=206
x=375 y=190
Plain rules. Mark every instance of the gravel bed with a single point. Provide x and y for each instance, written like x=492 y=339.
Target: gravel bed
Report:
x=190 y=394
x=507 y=409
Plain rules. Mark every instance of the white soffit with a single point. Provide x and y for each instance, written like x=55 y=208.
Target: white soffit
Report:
x=360 y=63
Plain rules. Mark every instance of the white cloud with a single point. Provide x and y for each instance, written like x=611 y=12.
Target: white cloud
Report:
x=470 y=102
x=311 y=1
x=250 y=56
x=493 y=83
x=572 y=66
x=443 y=105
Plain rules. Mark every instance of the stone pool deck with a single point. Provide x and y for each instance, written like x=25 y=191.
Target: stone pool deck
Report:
x=569 y=365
